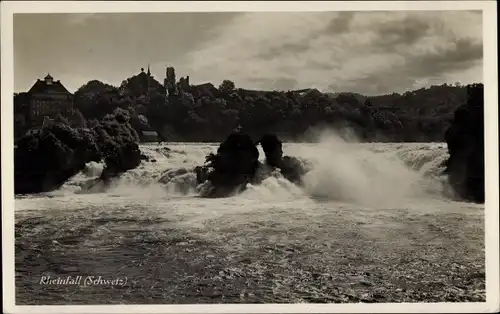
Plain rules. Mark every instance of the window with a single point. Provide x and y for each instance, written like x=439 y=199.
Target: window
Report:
x=35 y=107
x=39 y=107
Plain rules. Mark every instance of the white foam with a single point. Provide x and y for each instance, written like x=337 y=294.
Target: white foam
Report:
x=372 y=173
x=380 y=174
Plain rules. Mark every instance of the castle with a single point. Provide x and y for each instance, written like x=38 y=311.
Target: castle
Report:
x=47 y=98
x=172 y=87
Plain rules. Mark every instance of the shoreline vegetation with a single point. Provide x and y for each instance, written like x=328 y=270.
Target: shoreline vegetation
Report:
x=108 y=119
x=180 y=111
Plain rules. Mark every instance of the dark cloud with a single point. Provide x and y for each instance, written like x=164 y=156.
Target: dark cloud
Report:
x=423 y=61
x=108 y=46
x=288 y=48
x=365 y=52
x=463 y=54
x=405 y=32
x=340 y=24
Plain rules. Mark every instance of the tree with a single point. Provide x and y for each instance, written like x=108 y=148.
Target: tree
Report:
x=226 y=87
x=96 y=99
x=62 y=119
x=208 y=113
x=77 y=120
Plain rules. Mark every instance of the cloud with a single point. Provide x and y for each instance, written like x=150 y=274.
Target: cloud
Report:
x=340 y=23
x=406 y=32
x=105 y=46
x=367 y=52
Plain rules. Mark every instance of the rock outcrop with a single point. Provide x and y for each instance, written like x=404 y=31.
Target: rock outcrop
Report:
x=118 y=143
x=465 y=140
x=231 y=168
x=236 y=164
x=45 y=159
x=291 y=168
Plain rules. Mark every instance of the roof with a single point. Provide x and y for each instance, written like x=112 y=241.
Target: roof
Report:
x=143 y=79
x=41 y=87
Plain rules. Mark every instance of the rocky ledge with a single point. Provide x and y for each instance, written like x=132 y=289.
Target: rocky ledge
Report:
x=465 y=140
x=44 y=159
x=237 y=164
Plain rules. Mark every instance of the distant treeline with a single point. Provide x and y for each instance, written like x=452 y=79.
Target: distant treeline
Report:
x=209 y=113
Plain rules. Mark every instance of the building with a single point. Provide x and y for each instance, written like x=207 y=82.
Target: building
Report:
x=149 y=84
x=46 y=98
x=141 y=85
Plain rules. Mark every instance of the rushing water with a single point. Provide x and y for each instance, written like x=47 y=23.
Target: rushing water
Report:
x=374 y=223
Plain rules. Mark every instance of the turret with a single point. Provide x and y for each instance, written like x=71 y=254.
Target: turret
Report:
x=49 y=79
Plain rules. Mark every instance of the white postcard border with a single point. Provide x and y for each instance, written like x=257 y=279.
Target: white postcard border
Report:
x=492 y=304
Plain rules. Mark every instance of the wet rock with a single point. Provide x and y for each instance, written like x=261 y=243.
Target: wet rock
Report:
x=236 y=164
x=170 y=174
x=231 y=168
x=465 y=140
x=94 y=186
x=291 y=167
x=273 y=149
x=201 y=174
x=45 y=159
x=119 y=144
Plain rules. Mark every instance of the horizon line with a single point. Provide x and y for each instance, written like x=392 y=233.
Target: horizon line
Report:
x=74 y=90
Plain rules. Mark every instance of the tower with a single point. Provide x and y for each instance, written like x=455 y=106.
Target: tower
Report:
x=149 y=72
x=170 y=81
x=49 y=79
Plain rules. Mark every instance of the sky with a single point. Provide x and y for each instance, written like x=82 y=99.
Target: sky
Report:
x=367 y=52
